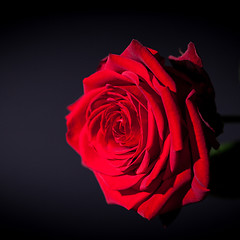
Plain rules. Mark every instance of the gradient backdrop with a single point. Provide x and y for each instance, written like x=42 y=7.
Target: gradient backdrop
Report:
x=45 y=52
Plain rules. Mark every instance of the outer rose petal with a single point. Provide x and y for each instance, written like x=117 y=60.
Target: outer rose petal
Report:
x=173 y=115
x=128 y=198
x=201 y=167
x=77 y=118
x=101 y=78
x=157 y=203
x=199 y=187
x=138 y=52
x=158 y=166
x=190 y=55
x=189 y=67
x=120 y=64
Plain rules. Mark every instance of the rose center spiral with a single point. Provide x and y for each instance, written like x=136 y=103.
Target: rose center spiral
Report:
x=122 y=124
x=120 y=130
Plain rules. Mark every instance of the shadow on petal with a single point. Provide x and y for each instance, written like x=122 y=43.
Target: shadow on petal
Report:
x=224 y=171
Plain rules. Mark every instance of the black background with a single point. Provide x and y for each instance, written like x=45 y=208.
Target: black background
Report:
x=45 y=52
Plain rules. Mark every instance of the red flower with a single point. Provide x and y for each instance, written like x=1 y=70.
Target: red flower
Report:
x=145 y=129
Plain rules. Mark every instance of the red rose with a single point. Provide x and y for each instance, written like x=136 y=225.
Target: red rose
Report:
x=145 y=129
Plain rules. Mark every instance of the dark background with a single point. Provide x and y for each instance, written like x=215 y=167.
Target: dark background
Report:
x=45 y=52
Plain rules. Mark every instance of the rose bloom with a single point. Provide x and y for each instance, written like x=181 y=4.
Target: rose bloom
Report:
x=145 y=129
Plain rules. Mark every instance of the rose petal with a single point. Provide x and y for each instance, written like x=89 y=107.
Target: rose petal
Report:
x=103 y=77
x=157 y=202
x=133 y=94
x=137 y=157
x=157 y=108
x=144 y=164
x=152 y=144
x=190 y=55
x=121 y=64
x=121 y=182
x=138 y=52
x=201 y=166
x=77 y=117
x=173 y=115
x=157 y=166
x=92 y=159
x=131 y=75
x=199 y=186
x=155 y=53
x=126 y=198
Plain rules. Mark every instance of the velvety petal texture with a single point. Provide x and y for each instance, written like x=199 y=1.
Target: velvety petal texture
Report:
x=145 y=129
